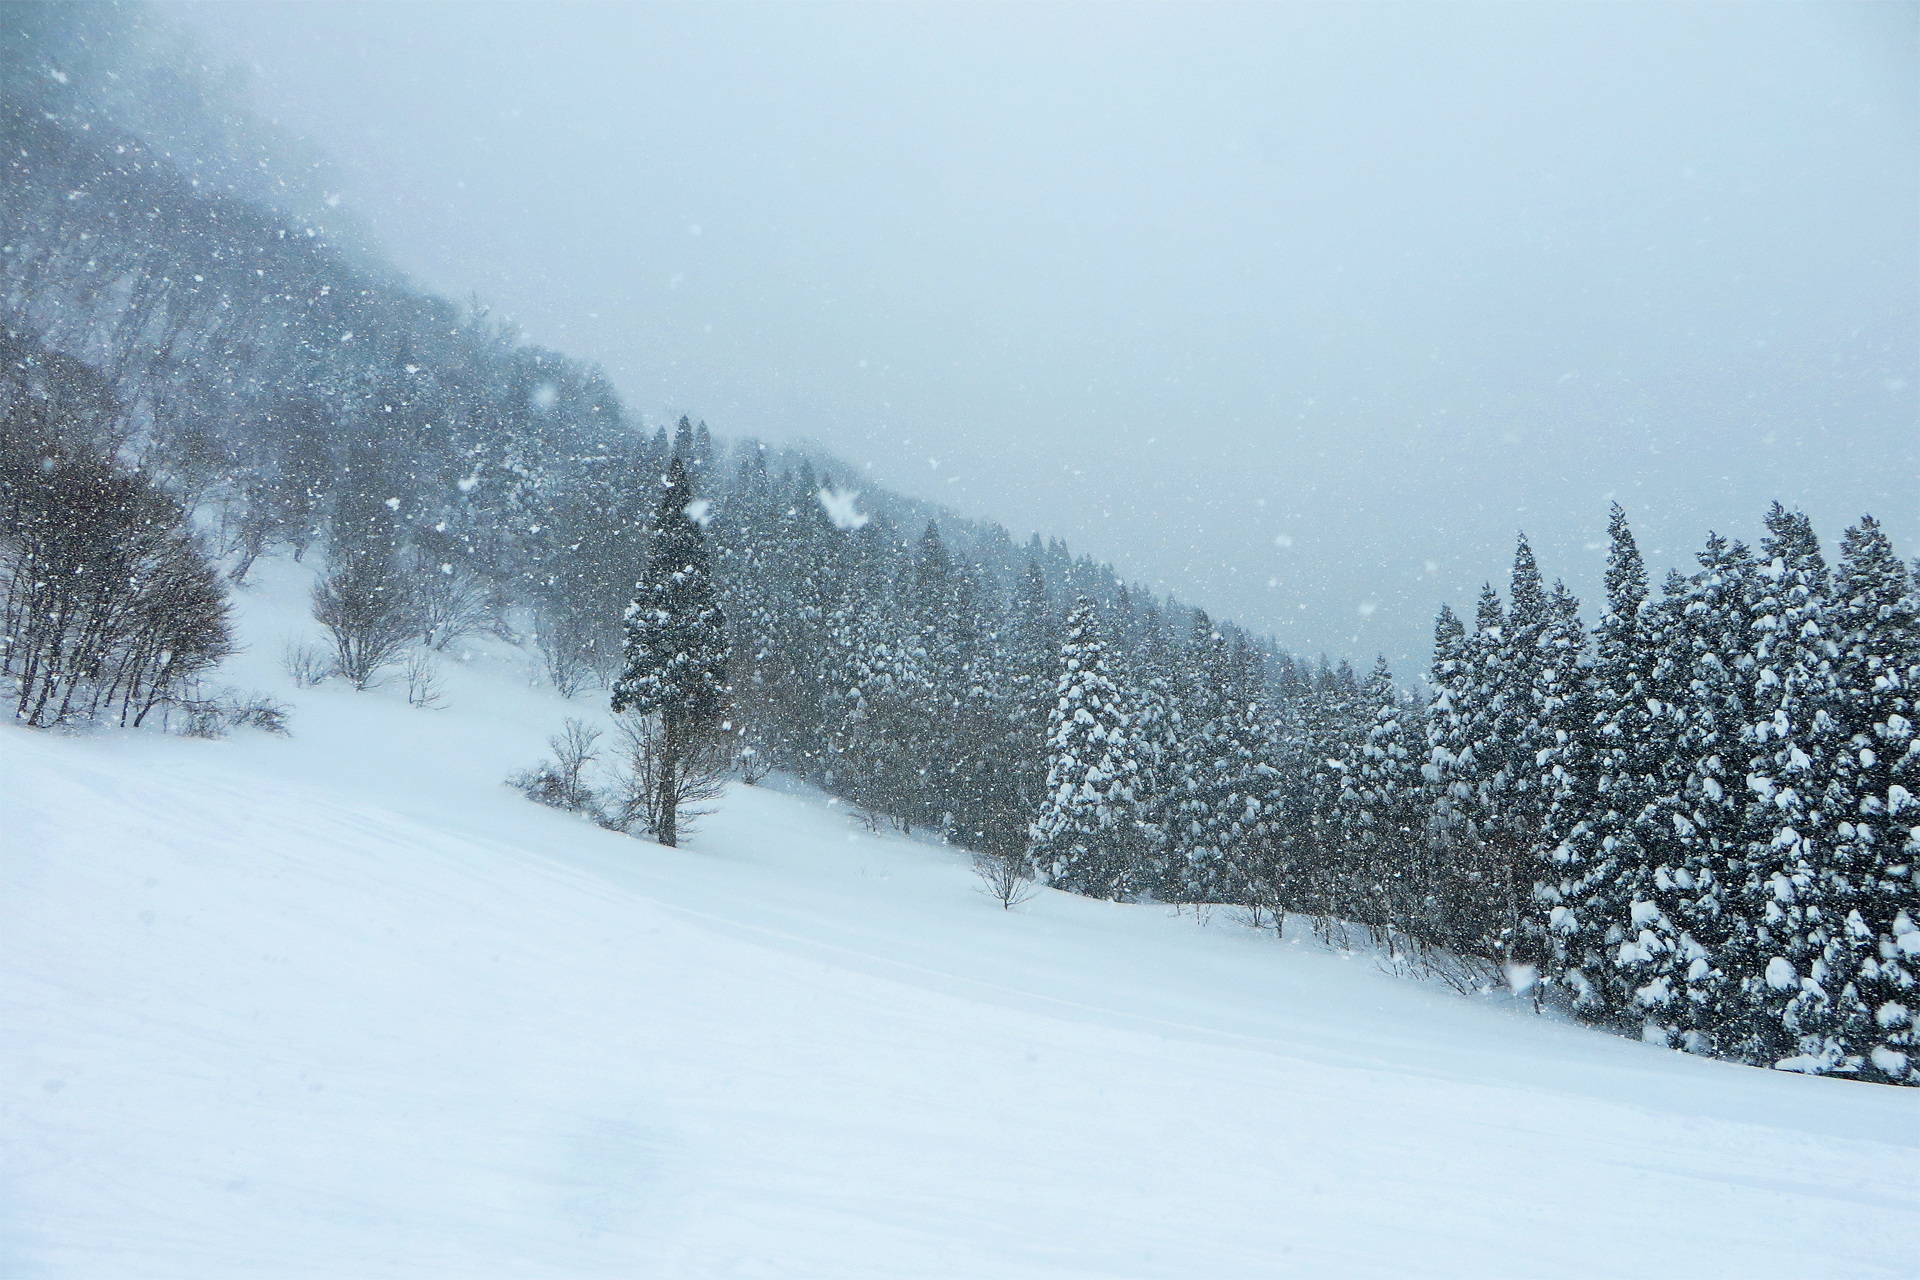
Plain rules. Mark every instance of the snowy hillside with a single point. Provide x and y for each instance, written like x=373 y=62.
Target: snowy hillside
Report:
x=343 y=1005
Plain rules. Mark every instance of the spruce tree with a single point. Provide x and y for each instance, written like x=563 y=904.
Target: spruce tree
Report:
x=1083 y=836
x=1605 y=860
x=1512 y=801
x=1788 y=740
x=1448 y=776
x=876 y=684
x=1877 y=843
x=1567 y=782
x=1381 y=818
x=1206 y=767
x=676 y=641
x=1681 y=943
x=1153 y=721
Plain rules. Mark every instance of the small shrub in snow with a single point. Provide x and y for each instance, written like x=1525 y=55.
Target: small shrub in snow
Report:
x=423 y=680
x=1007 y=878
x=306 y=664
x=567 y=651
x=199 y=714
x=560 y=782
x=753 y=765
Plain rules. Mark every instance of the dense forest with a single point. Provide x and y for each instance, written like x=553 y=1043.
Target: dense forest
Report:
x=1692 y=821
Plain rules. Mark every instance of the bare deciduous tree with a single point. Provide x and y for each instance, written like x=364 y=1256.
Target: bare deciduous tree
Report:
x=561 y=782
x=753 y=764
x=1005 y=877
x=107 y=602
x=566 y=650
x=307 y=664
x=652 y=784
x=449 y=602
x=423 y=680
x=363 y=605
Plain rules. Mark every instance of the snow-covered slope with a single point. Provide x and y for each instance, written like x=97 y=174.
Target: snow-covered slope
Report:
x=343 y=1005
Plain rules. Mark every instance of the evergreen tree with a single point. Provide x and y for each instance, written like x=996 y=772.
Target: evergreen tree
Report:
x=1083 y=836
x=1567 y=782
x=1447 y=775
x=1604 y=861
x=1877 y=843
x=1788 y=740
x=876 y=686
x=1679 y=944
x=1032 y=659
x=1152 y=718
x=1511 y=798
x=1205 y=767
x=1381 y=819
x=676 y=641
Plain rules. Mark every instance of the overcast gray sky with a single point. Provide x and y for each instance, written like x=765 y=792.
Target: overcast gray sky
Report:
x=1298 y=311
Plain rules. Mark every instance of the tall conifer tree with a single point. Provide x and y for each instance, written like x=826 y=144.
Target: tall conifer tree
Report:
x=1083 y=838
x=676 y=639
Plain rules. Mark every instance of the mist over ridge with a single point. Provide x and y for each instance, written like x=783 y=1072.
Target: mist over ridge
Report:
x=1298 y=313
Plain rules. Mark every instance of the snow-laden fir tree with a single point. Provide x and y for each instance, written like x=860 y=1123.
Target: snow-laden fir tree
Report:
x=1679 y=943
x=1032 y=650
x=1512 y=807
x=1560 y=730
x=1152 y=718
x=1876 y=616
x=676 y=641
x=1448 y=773
x=1604 y=862
x=1084 y=839
x=1788 y=739
x=1215 y=795
x=877 y=685
x=1381 y=820
x=1326 y=726
x=1243 y=816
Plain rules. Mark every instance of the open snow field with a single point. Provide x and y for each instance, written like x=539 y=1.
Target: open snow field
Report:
x=342 y=1005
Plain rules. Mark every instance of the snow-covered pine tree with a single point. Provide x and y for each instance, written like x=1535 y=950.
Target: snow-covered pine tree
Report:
x=1381 y=819
x=1032 y=658
x=1479 y=899
x=1877 y=845
x=876 y=684
x=1199 y=775
x=982 y=781
x=1329 y=725
x=1447 y=777
x=940 y=613
x=1678 y=945
x=1605 y=863
x=1560 y=729
x=1082 y=838
x=1244 y=817
x=676 y=641
x=1152 y=718
x=1512 y=800
x=748 y=569
x=1789 y=739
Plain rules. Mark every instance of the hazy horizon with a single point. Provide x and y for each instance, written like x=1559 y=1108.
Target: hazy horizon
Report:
x=1299 y=313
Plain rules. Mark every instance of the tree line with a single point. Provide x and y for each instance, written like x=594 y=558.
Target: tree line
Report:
x=1694 y=822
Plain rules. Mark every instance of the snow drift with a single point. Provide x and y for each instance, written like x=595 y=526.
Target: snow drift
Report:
x=344 y=1005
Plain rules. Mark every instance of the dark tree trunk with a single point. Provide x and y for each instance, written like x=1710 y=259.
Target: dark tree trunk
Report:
x=670 y=783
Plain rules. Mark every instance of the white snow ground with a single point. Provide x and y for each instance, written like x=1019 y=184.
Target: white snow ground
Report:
x=342 y=1005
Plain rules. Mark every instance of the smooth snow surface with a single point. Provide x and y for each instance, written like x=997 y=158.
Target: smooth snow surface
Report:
x=343 y=1005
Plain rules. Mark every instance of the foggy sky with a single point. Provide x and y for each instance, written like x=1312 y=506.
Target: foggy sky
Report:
x=1299 y=312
